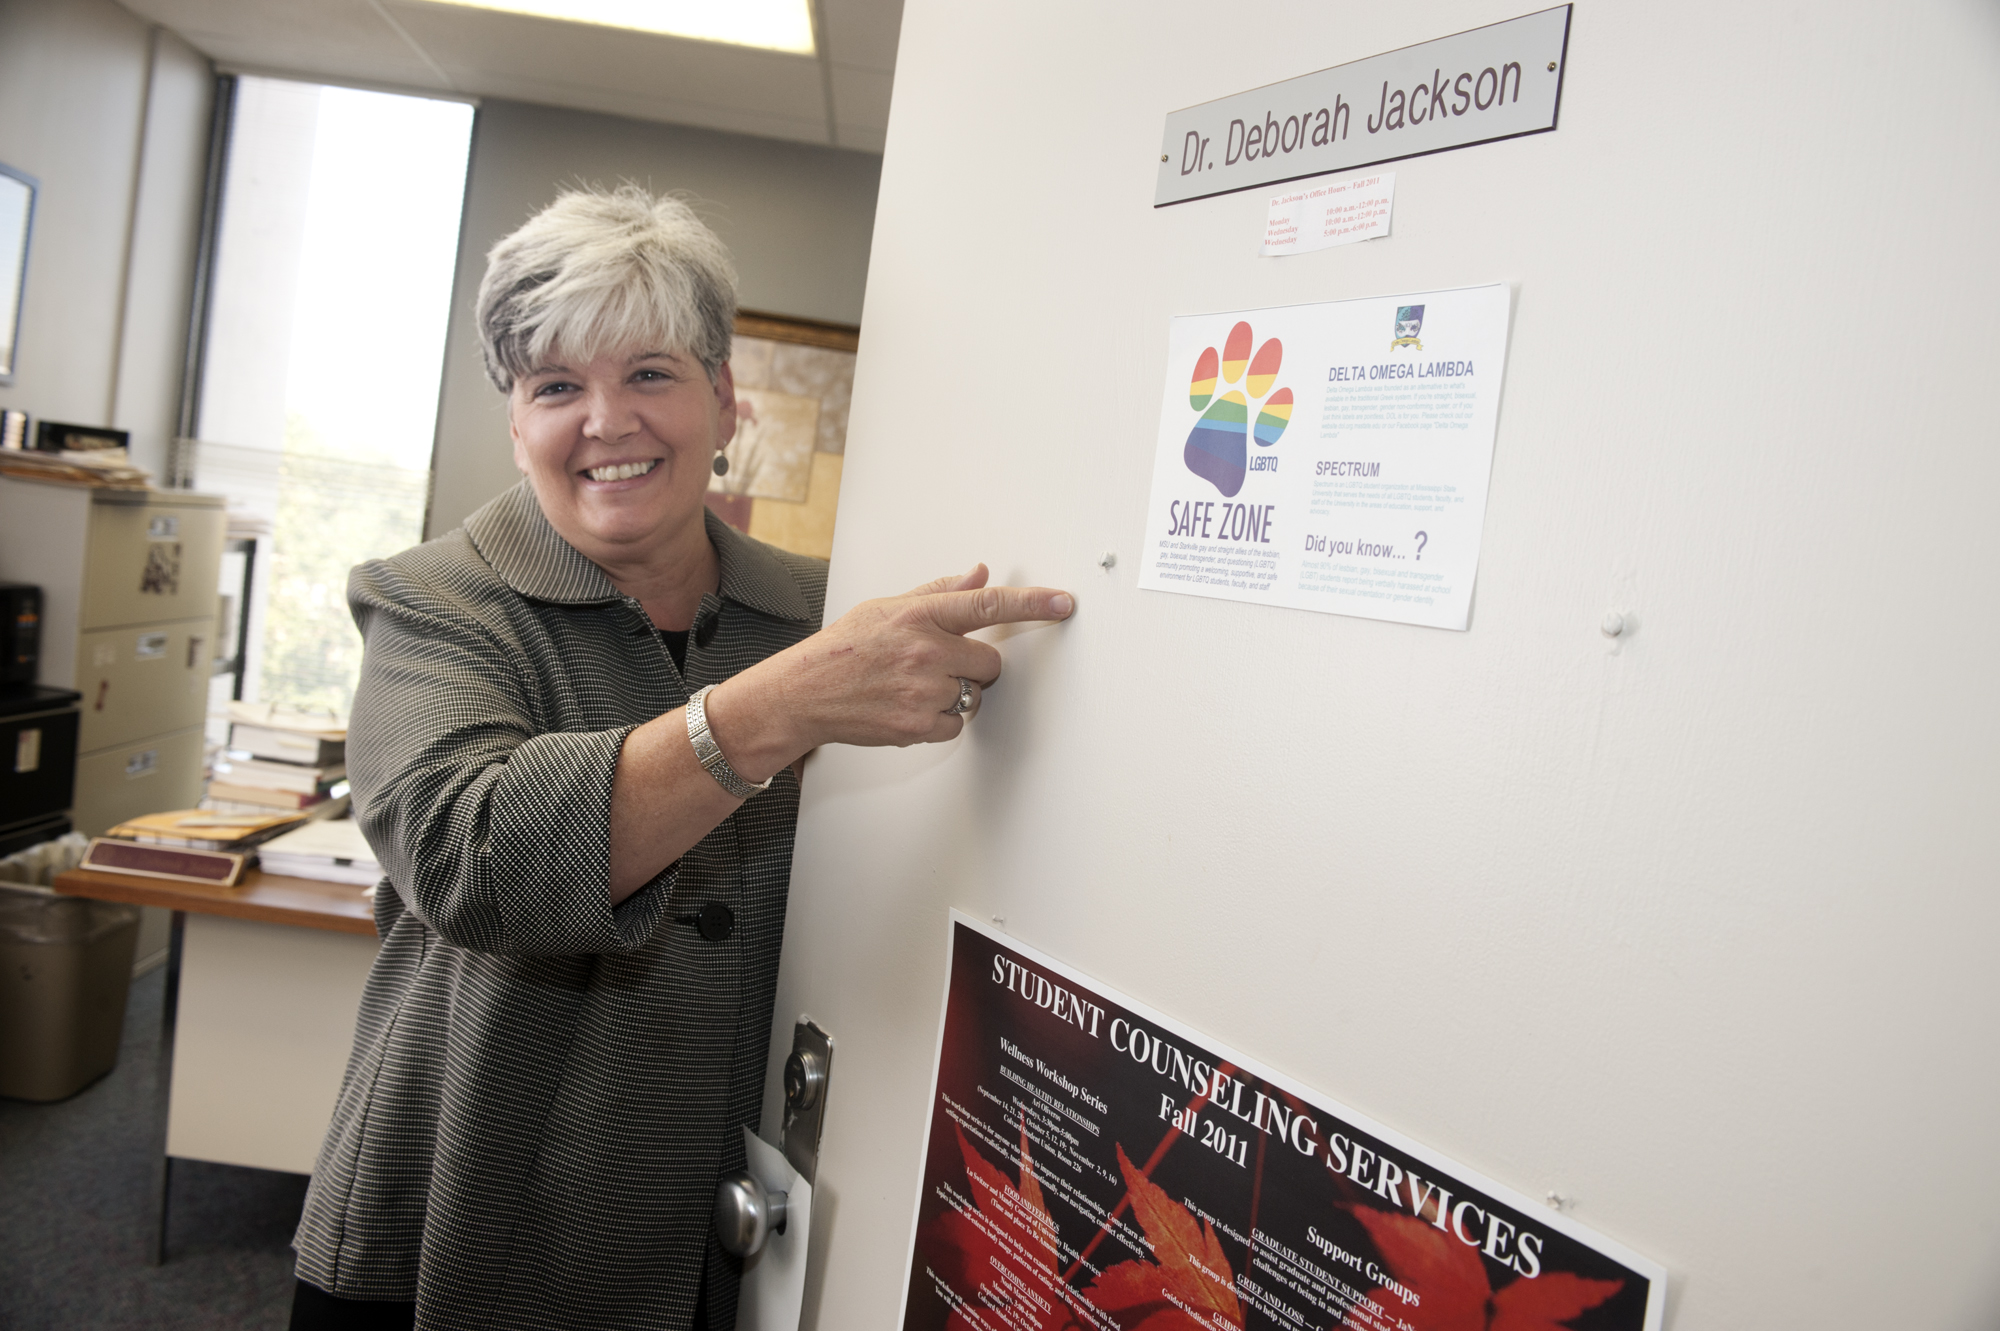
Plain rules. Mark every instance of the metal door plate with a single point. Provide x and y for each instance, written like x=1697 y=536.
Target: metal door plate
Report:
x=807 y=1072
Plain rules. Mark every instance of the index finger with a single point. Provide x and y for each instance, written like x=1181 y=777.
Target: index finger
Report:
x=962 y=612
x=952 y=582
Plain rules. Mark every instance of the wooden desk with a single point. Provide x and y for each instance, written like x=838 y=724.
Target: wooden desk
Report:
x=264 y=982
x=264 y=897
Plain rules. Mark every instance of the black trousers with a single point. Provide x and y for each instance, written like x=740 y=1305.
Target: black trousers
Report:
x=313 y=1309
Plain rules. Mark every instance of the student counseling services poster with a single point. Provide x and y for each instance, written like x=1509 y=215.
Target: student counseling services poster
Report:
x=1093 y=1166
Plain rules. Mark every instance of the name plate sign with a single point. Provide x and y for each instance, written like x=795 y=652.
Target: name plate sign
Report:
x=1092 y=1165
x=1496 y=82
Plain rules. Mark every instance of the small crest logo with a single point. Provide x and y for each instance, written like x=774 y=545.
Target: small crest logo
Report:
x=1409 y=322
x=1216 y=449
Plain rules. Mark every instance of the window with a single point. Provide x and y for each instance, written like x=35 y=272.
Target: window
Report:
x=335 y=244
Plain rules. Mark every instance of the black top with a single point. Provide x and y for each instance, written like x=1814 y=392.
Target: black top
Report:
x=677 y=647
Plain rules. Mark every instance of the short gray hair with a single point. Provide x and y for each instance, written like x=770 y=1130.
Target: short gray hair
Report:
x=606 y=270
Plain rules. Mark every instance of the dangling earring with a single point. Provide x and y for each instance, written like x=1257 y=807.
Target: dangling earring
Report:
x=721 y=465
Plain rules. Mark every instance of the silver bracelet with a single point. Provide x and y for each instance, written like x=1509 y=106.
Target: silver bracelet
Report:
x=709 y=754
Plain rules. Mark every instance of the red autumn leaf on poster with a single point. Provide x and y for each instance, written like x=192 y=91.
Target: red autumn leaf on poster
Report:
x=1189 y=1288
x=1451 y=1280
x=1007 y=1247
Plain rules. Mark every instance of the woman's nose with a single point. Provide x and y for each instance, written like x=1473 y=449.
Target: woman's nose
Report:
x=609 y=417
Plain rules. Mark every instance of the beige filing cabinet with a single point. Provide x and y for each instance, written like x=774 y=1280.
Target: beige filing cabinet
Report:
x=128 y=583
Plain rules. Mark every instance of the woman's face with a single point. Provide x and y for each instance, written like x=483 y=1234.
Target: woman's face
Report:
x=619 y=448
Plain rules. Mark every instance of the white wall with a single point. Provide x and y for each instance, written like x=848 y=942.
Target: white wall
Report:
x=111 y=116
x=1699 y=931
x=166 y=232
x=113 y=121
x=797 y=218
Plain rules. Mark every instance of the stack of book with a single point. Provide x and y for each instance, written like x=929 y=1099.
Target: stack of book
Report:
x=107 y=468
x=332 y=850
x=196 y=845
x=280 y=760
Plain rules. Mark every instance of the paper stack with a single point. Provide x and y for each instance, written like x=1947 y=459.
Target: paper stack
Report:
x=107 y=468
x=279 y=760
x=331 y=849
x=205 y=829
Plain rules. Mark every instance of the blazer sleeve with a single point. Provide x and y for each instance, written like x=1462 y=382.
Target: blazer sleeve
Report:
x=496 y=836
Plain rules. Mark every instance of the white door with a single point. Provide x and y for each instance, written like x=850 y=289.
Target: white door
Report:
x=1692 y=927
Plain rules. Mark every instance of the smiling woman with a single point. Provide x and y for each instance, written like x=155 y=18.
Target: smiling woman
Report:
x=617 y=430
x=575 y=749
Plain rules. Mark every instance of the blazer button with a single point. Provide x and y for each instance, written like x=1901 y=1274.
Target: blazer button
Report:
x=704 y=632
x=716 y=921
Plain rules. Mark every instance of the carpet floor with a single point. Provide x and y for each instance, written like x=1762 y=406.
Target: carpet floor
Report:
x=75 y=1212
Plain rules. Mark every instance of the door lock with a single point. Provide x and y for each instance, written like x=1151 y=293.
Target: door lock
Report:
x=806 y=1072
x=804 y=1076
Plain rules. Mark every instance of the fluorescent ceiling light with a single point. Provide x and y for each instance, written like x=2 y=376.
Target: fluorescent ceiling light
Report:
x=773 y=25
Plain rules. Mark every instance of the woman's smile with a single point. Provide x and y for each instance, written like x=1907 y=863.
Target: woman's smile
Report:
x=621 y=471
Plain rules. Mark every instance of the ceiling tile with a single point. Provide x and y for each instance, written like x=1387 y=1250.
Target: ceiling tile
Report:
x=331 y=38
x=485 y=53
x=321 y=19
x=612 y=102
x=863 y=33
x=490 y=52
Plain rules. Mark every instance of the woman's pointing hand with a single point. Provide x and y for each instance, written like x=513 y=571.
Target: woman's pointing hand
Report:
x=899 y=670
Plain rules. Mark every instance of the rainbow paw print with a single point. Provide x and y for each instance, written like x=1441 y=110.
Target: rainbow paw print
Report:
x=1215 y=448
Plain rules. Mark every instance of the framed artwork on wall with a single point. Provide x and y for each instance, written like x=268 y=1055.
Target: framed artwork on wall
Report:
x=794 y=378
x=17 y=219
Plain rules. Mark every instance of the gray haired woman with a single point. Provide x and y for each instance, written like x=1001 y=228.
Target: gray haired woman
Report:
x=575 y=750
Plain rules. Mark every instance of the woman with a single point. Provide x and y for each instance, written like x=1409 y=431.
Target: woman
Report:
x=575 y=749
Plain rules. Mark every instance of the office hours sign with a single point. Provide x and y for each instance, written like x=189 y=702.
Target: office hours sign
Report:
x=1091 y=1165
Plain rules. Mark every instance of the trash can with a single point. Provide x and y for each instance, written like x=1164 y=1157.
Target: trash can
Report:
x=65 y=972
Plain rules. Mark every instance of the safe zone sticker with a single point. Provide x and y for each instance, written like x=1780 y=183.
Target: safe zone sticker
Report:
x=1330 y=457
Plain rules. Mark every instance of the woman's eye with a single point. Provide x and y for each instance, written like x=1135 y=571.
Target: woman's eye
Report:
x=552 y=390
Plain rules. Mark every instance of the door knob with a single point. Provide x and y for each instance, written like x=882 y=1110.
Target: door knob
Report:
x=747 y=1213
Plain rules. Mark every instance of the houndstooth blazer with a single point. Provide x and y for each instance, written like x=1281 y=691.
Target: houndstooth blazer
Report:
x=544 y=1088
